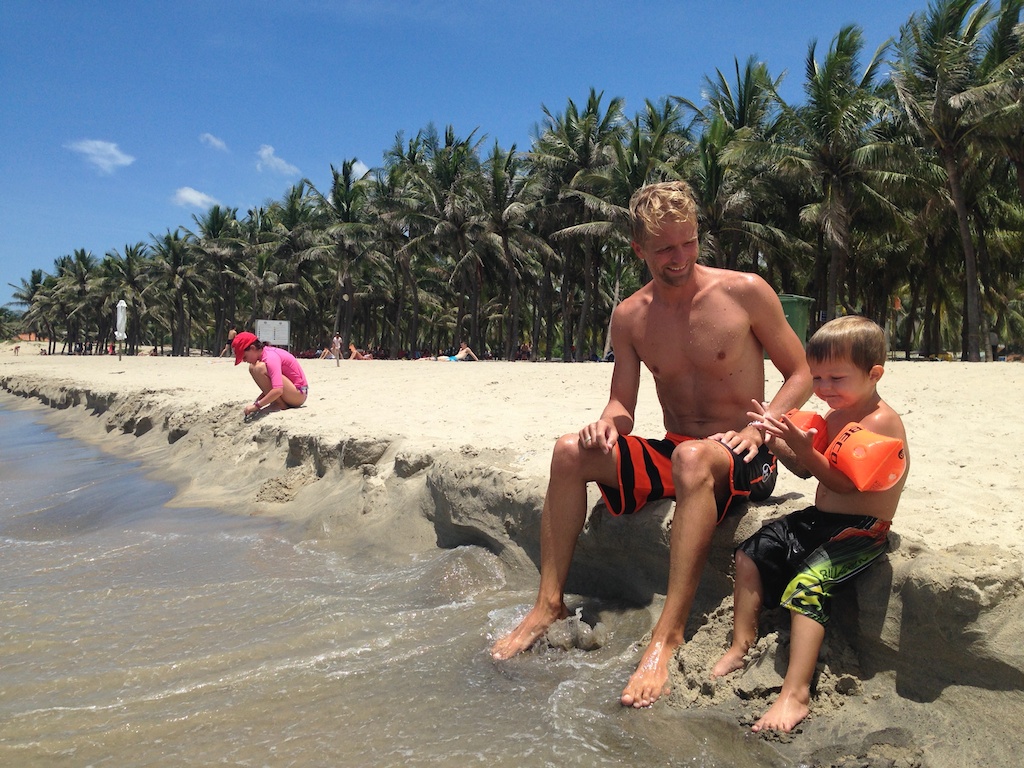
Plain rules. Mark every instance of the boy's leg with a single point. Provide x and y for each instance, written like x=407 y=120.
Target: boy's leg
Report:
x=748 y=596
x=565 y=512
x=794 y=700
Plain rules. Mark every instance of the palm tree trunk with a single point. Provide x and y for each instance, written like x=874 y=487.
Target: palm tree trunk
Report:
x=972 y=292
x=512 y=337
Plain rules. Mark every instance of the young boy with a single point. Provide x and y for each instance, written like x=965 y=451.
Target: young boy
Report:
x=797 y=561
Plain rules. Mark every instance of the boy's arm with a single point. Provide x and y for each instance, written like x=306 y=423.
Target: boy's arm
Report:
x=789 y=460
x=801 y=443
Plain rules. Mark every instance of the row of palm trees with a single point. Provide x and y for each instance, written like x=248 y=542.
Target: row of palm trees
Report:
x=900 y=197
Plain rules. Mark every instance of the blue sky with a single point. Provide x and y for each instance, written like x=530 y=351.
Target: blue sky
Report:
x=120 y=120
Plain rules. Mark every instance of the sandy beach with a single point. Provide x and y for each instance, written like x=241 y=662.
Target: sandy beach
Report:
x=923 y=664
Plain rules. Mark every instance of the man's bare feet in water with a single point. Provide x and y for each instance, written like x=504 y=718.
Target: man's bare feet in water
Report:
x=784 y=715
x=530 y=629
x=730 y=662
x=650 y=681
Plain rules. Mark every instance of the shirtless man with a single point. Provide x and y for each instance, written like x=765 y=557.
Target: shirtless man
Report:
x=702 y=332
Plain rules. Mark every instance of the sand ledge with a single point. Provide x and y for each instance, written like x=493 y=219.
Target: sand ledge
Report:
x=930 y=628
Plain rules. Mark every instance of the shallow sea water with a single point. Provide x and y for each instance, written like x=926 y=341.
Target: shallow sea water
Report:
x=137 y=634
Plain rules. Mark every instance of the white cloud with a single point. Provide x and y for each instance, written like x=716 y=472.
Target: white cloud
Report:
x=105 y=155
x=193 y=198
x=212 y=141
x=270 y=161
x=360 y=169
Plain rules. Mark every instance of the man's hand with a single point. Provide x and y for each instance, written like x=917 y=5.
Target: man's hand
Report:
x=746 y=442
x=601 y=434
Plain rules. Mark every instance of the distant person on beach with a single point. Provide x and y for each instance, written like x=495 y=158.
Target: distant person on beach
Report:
x=799 y=560
x=355 y=354
x=232 y=332
x=464 y=353
x=17 y=349
x=993 y=341
x=703 y=333
x=276 y=372
x=336 y=346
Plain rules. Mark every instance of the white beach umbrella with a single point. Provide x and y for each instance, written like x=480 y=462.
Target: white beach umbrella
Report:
x=120 y=324
x=122 y=321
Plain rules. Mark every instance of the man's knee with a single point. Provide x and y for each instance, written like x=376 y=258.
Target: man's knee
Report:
x=695 y=463
x=570 y=459
x=566 y=455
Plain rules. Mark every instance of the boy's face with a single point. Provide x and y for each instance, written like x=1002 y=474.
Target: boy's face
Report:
x=841 y=384
x=671 y=253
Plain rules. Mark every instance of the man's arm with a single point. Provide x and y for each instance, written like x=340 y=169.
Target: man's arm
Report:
x=617 y=417
x=784 y=348
x=768 y=323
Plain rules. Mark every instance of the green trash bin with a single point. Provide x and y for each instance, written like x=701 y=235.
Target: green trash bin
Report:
x=798 y=313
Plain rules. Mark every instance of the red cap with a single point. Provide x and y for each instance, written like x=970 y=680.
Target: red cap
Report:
x=242 y=342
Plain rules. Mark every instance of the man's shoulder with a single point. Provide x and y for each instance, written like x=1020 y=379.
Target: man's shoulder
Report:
x=636 y=300
x=730 y=278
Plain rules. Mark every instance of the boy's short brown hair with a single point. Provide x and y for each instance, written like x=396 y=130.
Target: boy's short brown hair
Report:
x=654 y=204
x=860 y=340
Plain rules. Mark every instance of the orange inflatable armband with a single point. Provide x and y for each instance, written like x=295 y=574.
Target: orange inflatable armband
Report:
x=806 y=420
x=873 y=462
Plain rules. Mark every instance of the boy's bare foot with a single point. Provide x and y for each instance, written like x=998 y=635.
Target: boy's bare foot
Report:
x=784 y=715
x=530 y=629
x=730 y=662
x=650 y=681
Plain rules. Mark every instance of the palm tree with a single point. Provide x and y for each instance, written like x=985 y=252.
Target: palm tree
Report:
x=125 y=277
x=448 y=187
x=736 y=198
x=27 y=297
x=176 y=286
x=78 y=295
x=831 y=145
x=218 y=247
x=295 y=261
x=509 y=198
x=573 y=149
x=999 y=100
x=347 y=235
x=940 y=53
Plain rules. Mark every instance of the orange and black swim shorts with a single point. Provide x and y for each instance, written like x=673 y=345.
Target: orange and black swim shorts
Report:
x=645 y=475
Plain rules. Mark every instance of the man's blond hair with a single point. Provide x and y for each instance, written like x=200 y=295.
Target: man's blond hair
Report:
x=654 y=205
x=854 y=338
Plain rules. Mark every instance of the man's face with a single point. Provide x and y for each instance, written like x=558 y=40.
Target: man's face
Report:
x=671 y=253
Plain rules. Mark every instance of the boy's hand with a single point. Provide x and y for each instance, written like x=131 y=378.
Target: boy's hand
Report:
x=799 y=441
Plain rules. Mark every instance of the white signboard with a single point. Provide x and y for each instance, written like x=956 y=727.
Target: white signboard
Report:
x=275 y=332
